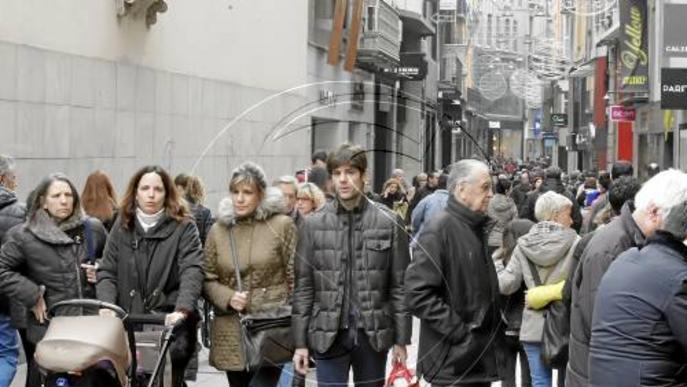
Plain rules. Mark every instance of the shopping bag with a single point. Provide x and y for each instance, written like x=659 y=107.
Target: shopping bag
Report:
x=401 y=376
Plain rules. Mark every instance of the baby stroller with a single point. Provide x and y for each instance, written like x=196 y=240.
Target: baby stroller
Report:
x=93 y=350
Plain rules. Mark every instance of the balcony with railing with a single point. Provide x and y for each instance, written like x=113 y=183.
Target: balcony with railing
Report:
x=380 y=44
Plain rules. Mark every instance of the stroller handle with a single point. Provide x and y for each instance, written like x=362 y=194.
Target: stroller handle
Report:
x=146 y=319
x=85 y=302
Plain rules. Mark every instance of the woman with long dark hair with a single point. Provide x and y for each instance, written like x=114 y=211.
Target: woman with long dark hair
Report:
x=50 y=258
x=153 y=261
x=99 y=198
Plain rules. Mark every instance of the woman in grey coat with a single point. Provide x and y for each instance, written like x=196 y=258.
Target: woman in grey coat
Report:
x=549 y=246
x=501 y=211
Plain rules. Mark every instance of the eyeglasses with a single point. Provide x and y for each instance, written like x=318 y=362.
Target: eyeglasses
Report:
x=303 y=198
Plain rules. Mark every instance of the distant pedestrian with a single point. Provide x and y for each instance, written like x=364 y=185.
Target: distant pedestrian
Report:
x=309 y=199
x=192 y=190
x=99 y=198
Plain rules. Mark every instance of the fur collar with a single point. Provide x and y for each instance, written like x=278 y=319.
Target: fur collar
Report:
x=272 y=204
x=44 y=227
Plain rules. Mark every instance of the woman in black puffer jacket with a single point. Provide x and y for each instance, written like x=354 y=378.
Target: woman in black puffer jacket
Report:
x=51 y=257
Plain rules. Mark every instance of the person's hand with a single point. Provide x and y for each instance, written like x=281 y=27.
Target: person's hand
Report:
x=239 y=301
x=300 y=360
x=90 y=272
x=172 y=318
x=107 y=313
x=40 y=310
x=399 y=354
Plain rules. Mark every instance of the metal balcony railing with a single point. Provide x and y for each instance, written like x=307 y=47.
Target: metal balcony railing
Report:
x=380 y=43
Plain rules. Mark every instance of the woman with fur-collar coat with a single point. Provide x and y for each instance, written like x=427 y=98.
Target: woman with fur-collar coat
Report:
x=50 y=258
x=265 y=244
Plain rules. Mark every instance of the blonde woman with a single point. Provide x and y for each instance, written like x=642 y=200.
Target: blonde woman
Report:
x=251 y=223
x=309 y=198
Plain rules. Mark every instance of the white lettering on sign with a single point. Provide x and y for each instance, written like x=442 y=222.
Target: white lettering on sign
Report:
x=676 y=48
x=674 y=88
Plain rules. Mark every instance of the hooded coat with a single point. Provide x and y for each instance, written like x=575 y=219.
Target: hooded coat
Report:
x=265 y=244
x=501 y=210
x=40 y=253
x=550 y=247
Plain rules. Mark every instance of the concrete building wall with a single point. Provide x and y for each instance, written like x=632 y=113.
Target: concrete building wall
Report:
x=205 y=38
x=81 y=91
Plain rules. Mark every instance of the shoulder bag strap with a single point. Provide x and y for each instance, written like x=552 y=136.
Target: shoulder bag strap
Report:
x=535 y=272
x=235 y=257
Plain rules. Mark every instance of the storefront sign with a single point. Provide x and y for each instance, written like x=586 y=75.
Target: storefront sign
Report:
x=559 y=120
x=494 y=124
x=413 y=67
x=673 y=88
x=621 y=113
x=634 y=57
x=674 y=32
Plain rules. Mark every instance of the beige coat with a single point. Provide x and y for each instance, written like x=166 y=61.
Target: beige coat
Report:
x=266 y=245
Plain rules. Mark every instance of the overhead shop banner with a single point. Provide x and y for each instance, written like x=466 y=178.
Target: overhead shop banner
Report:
x=673 y=88
x=634 y=48
x=674 y=33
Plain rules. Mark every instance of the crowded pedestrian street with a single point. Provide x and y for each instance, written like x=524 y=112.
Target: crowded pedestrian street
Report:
x=369 y=193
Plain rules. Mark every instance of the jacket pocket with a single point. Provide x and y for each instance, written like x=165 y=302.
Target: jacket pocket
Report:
x=377 y=251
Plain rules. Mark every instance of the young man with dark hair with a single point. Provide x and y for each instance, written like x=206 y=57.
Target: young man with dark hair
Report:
x=348 y=303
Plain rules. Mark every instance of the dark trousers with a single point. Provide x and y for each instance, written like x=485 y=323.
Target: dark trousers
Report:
x=264 y=377
x=513 y=347
x=183 y=348
x=351 y=349
x=29 y=349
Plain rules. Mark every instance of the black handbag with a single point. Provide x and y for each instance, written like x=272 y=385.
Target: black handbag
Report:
x=266 y=338
x=556 y=333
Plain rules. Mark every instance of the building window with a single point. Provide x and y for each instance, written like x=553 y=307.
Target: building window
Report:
x=507 y=36
x=515 y=35
x=321 y=24
x=371 y=18
x=489 y=30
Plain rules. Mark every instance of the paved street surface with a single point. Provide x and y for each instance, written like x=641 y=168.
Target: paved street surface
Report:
x=210 y=377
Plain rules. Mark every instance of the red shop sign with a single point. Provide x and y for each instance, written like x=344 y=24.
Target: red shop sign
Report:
x=622 y=113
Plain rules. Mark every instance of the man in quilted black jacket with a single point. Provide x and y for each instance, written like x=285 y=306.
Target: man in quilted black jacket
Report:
x=348 y=306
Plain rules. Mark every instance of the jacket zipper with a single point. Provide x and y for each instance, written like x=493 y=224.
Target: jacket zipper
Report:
x=350 y=269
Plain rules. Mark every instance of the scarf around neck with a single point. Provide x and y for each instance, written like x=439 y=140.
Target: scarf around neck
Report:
x=148 y=221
